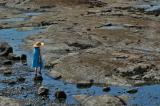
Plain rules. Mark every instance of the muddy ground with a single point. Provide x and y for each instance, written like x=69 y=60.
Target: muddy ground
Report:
x=108 y=41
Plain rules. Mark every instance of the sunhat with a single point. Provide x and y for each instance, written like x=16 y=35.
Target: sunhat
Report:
x=38 y=44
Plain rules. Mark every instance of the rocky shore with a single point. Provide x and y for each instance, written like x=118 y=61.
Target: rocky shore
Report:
x=99 y=42
x=115 y=43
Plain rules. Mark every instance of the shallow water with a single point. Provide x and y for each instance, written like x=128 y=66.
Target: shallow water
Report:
x=15 y=38
x=146 y=96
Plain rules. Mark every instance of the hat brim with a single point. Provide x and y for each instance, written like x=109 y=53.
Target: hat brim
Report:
x=36 y=45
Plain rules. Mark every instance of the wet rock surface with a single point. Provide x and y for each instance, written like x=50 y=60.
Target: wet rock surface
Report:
x=4 y=101
x=60 y=95
x=43 y=91
x=5 y=49
x=105 y=100
x=117 y=40
x=120 y=48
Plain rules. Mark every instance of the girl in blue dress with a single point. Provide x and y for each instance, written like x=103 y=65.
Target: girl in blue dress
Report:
x=37 y=58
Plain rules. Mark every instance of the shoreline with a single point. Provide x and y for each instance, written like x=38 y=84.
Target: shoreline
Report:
x=116 y=49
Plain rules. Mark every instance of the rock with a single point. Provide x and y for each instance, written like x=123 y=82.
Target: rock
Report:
x=4 y=101
x=155 y=10
x=43 y=91
x=38 y=78
x=57 y=75
x=106 y=89
x=7 y=72
x=7 y=62
x=104 y=100
x=11 y=82
x=137 y=69
x=2 y=69
x=60 y=95
x=44 y=7
x=12 y=56
x=132 y=91
x=5 y=49
x=23 y=57
x=44 y=23
x=81 y=46
x=82 y=85
x=21 y=79
x=96 y=3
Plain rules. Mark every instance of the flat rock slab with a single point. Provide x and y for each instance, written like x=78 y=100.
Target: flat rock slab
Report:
x=104 y=100
x=9 y=102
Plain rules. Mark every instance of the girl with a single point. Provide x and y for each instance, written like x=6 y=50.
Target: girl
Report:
x=37 y=58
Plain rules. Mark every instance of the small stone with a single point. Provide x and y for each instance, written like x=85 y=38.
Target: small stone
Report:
x=132 y=91
x=21 y=79
x=38 y=78
x=23 y=57
x=60 y=95
x=7 y=62
x=11 y=83
x=84 y=85
x=43 y=91
x=2 y=69
x=106 y=89
x=7 y=72
x=57 y=77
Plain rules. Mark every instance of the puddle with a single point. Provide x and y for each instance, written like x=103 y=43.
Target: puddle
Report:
x=15 y=37
x=12 y=20
x=23 y=17
x=32 y=14
x=146 y=96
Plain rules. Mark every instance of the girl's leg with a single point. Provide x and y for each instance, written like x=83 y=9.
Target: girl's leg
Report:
x=36 y=71
x=40 y=68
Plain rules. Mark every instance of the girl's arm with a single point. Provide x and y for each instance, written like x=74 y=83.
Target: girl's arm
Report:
x=40 y=55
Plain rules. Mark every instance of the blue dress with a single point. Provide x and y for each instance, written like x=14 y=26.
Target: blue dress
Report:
x=37 y=60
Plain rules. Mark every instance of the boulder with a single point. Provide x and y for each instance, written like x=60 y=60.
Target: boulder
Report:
x=60 y=95
x=7 y=62
x=5 y=49
x=104 y=100
x=43 y=91
x=12 y=56
x=24 y=57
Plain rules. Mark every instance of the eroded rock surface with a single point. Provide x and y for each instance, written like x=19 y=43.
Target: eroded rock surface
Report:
x=104 y=100
x=4 y=101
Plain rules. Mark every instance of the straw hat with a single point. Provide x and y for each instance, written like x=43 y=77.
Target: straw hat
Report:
x=38 y=44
